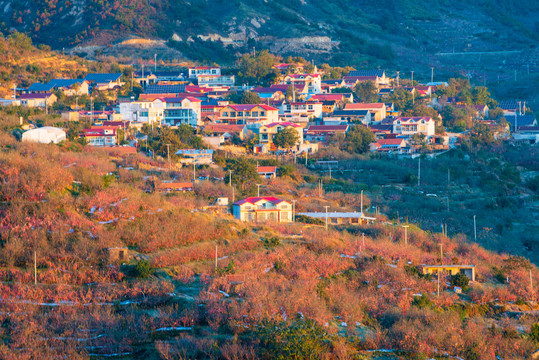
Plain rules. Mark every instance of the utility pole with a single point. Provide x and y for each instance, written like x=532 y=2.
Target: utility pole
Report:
x=405 y=234
x=294 y=210
x=361 y=202
x=474 y=229
x=531 y=282
x=330 y=172
x=519 y=108
x=91 y=109
x=194 y=172
x=441 y=254
x=412 y=78
x=306 y=157
x=432 y=74
x=258 y=189
x=230 y=178
x=419 y=172
x=326 y=217
x=363 y=239
x=168 y=155
x=398 y=72
x=155 y=62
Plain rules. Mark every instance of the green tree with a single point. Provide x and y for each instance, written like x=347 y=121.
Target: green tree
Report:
x=401 y=98
x=459 y=280
x=534 y=332
x=495 y=113
x=480 y=95
x=481 y=134
x=366 y=91
x=303 y=339
x=250 y=97
x=243 y=172
x=143 y=269
x=286 y=138
x=257 y=66
x=286 y=170
x=358 y=139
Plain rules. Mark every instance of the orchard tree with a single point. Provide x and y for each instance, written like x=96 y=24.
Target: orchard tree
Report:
x=243 y=172
x=286 y=138
x=358 y=139
x=250 y=97
x=366 y=91
x=257 y=66
x=401 y=98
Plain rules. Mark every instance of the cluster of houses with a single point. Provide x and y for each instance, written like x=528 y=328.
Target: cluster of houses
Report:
x=316 y=108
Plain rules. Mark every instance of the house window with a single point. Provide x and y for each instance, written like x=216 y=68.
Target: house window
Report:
x=262 y=113
x=310 y=107
x=232 y=114
x=255 y=113
x=240 y=113
x=225 y=113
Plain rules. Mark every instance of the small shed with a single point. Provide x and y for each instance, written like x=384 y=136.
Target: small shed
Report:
x=119 y=254
x=468 y=270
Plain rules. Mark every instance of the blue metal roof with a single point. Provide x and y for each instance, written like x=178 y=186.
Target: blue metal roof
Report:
x=102 y=78
x=521 y=120
x=59 y=83
x=379 y=73
x=165 y=89
x=40 y=87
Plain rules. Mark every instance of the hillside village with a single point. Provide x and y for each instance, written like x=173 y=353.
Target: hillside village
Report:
x=214 y=213
x=315 y=108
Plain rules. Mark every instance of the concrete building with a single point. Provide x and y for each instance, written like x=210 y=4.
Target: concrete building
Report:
x=262 y=209
x=409 y=126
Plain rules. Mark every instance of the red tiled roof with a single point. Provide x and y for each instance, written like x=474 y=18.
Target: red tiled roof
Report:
x=224 y=128
x=35 y=96
x=254 y=200
x=389 y=142
x=267 y=169
x=413 y=119
x=364 y=106
x=298 y=76
x=325 y=97
x=285 y=124
x=249 y=107
x=326 y=128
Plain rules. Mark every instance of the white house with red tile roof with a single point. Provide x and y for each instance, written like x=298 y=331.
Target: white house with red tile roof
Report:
x=267 y=172
x=216 y=135
x=262 y=209
x=182 y=110
x=313 y=82
x=197 y=71
x=100 y=135
x=389 y=145
x=267 y=132
x=249 y=114
x=341 y=97
x=41 y=100
x=324 y=132
x=301 y=111
x=409 y=126
x=377 y=109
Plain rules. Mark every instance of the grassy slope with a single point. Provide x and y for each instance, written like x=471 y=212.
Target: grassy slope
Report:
x=284 y=270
